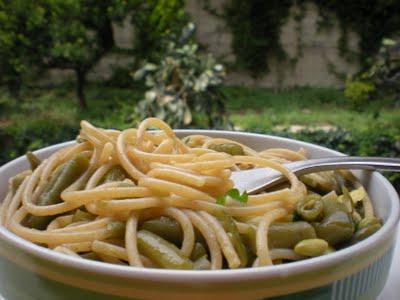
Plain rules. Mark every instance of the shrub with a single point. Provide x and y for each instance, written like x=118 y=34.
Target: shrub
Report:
x=182 y=83
x=358 y=92
x=31 y=135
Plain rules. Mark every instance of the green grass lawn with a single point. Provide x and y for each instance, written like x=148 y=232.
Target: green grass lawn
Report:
x=261 y=109
x=264 y=109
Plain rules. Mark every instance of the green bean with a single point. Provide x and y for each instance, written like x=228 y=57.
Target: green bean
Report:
x=81 y=215
x=166 y=228
x=337 y=225
x=126 y=184
x=329 y=250
x=116 y=230
x=16 y=182
x=80 y=139
x=249 y=239
x=229 y=148
x=91 y=256
x=368 y=222
x=321 y=181
x=364 y=232
x=288 y=234
x=346 y=199
x=34 y=161
x=116 y=173
x=356 y=218
x=331 y=205
x=161 y=252
x=202 y=263
x=198 y=251
x=357 y=194
x=63 y=177
x=310 y=209
x=311 y=247
x=336 y=228
x=230 y=227
x=186 y=140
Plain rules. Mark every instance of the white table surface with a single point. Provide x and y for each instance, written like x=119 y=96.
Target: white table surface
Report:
x=391 y=291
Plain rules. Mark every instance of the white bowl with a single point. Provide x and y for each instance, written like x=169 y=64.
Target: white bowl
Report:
x=28 y=271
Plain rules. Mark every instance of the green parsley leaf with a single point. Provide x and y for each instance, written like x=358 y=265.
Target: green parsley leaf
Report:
x=235 y=195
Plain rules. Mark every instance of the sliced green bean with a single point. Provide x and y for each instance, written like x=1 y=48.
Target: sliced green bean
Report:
x=310 y=209
x=311 y=247
x=161 y=252
x=126 y=184
x=91 y=256
x=332 y=205
x=249 y=239
x=16 y=182
x=321 y=181
x=116 y=173
x=166 y=228
x=198 y=251
x=229 y=148
x=202 y=263
x=34 y=161
x=368 y=222
x=234 y=236
x=288 y=234
x=329 y=250
x=336 y=228
x=116 y=230
x=81 y=215
x=80 y=139
x=346 y=199
x=63 y=177
x=364 y=232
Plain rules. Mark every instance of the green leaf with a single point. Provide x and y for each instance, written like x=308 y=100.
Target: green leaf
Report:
x=235 y=195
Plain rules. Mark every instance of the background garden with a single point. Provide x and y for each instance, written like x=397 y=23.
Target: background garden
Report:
x=169 y=71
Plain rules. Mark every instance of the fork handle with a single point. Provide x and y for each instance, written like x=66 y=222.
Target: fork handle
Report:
x=345 y=162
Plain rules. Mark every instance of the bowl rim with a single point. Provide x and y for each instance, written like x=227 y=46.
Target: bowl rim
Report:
x=216 y=276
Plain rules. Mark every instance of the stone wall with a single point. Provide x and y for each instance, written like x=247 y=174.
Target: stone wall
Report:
x=312 y=68
x=319 y=51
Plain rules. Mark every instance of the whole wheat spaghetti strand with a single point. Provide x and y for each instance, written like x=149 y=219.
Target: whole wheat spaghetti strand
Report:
x=131 y=241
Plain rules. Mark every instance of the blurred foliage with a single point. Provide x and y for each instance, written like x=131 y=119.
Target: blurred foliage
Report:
x=256 y=28
x=383 y=75
x=24 y=40
x=385 y=71
x=76 y=34
x=72 y=34
x=153 y=21
x=372 y=20
x=183 y=83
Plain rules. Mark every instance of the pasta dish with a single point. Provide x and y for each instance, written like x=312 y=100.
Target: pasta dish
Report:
x=146 y=198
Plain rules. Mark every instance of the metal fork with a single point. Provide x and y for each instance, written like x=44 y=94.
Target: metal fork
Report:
x=256 y=180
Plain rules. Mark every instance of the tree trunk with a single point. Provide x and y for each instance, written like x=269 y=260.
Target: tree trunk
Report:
x=80 y=85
